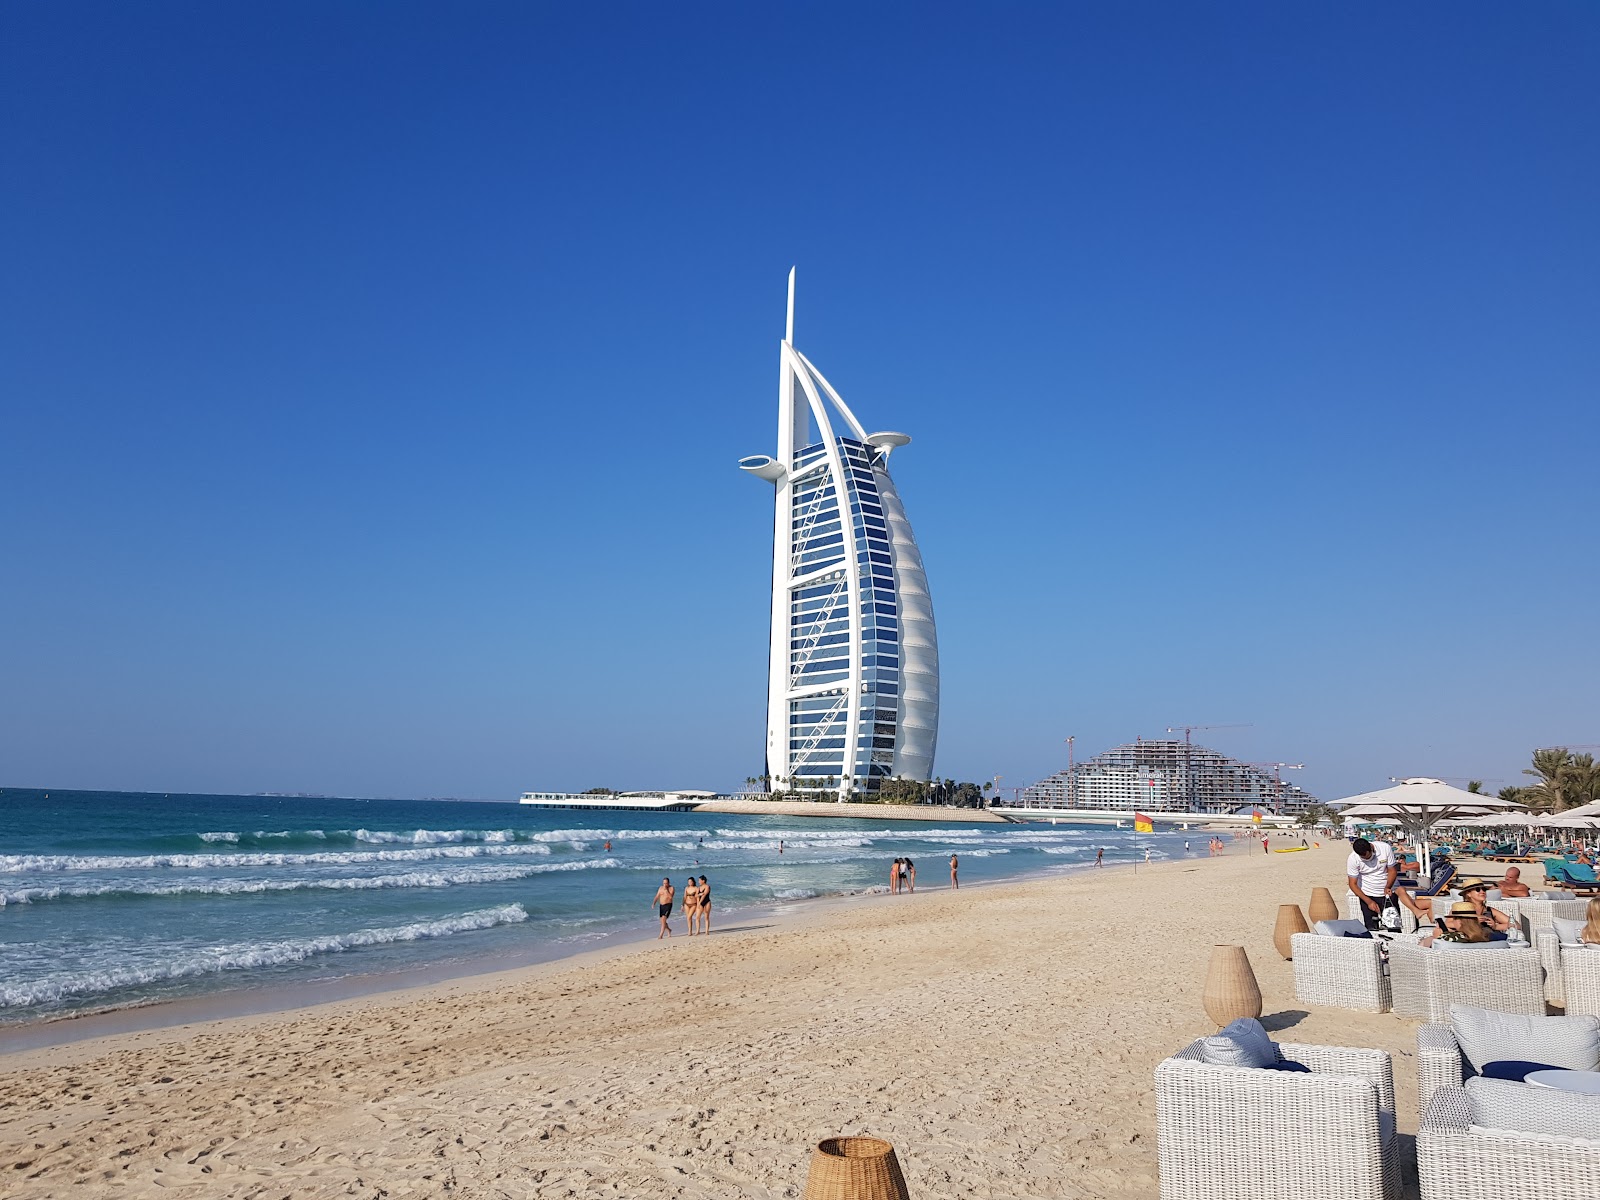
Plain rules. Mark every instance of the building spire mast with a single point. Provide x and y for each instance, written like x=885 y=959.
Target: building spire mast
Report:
x=788 y=326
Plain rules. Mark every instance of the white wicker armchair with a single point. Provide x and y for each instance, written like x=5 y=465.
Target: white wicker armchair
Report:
x=1424 y=981
x=1456 y=1161
x=1237 y=1133
x=1580 y=981
x=1340 y=972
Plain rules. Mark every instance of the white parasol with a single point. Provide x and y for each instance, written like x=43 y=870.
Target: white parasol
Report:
x=1419 y=804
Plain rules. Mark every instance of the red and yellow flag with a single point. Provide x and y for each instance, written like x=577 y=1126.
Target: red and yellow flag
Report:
x=1256 y=816
x=1143 y=824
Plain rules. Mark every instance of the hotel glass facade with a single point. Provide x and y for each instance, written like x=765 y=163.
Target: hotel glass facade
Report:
x=853 y=687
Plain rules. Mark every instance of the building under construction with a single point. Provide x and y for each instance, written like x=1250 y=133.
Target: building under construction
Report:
x=1166 y=776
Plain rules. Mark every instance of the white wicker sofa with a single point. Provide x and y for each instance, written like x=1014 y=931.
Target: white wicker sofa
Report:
x=1442 y=1061
x=1463 y=1155
x=1339 y=972
x=1238 y=1133
x=1425 y=980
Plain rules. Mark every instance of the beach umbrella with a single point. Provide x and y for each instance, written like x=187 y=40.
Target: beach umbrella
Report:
x=1418 y=805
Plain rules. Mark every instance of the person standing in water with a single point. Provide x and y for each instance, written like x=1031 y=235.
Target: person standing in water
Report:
x=955 y=884
x=705 y=905
x=664 y=907
x=1100 y=857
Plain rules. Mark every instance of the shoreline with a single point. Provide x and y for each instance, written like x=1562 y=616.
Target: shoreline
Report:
x=288 y=997
x=707 y=1068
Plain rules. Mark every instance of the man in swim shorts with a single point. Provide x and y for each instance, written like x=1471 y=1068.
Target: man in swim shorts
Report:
x=1100 y=857
x=664 y=896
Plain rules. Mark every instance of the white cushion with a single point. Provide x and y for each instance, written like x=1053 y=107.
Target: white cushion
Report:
x=1485 y=1036
x=1339 y=928
x=1568 y=931
x=1242 y=1044
x=1440 y=943
x=1524 y=1108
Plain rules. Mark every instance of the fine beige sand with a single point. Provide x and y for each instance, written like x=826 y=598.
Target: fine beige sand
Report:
x=1003 y=1038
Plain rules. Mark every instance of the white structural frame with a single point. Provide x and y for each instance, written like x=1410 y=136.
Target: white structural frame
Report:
x=914 y=742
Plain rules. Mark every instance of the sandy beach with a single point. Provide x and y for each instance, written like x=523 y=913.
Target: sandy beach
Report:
x=1003 y=1038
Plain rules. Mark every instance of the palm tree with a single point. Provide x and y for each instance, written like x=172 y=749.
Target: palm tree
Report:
x=1583 y=779
x=1475 y=786
x=1552 y=767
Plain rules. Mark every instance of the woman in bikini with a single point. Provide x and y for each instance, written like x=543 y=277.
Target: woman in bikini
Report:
x=691 y=903
x=704 y=906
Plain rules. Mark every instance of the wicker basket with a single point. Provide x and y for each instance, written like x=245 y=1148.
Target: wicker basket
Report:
x=1290 y=922
x=855 y=1168
x=1322 y=906
x=1231 y=988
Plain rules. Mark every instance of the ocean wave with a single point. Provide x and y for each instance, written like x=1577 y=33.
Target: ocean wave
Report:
x=795 y=894
x=15 y=863
x=982 y=852
x=247 y=956
x=797 y=844
x=250 y=887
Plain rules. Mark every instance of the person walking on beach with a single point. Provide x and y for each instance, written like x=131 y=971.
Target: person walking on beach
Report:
x=705 y=905
x=664 y=907
x=691 y=904
x=1264 y=848
x=1100 y=857
x=910 y=872
x=1147 y=855
x=894 y=878
x=955 y=884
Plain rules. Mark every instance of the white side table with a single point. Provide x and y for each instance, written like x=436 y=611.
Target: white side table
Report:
x=1587 y=1082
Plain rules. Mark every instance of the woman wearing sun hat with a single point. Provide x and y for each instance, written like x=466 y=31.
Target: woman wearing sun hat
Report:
x=1476 y=893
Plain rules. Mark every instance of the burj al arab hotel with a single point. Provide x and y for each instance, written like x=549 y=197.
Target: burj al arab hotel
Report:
x=853 y=671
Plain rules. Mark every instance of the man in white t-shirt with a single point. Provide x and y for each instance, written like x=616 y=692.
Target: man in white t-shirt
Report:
x=1370 y=873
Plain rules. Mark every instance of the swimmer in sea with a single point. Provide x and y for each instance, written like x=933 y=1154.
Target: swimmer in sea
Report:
x=664 y=907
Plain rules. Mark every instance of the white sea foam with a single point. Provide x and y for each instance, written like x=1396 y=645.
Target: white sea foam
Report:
x=795 y=894
x=246 y=887
x=219 y=837
x=798 y=844
x=245 y=956
x=266 y=858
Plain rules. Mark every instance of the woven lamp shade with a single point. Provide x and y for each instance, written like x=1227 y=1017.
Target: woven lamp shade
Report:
x=855 y=1168
x=1290 y=922
x=1322 y=906
x=1231 y=988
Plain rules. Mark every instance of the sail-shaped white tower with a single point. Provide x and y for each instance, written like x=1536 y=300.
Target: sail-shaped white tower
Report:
x=853 y=670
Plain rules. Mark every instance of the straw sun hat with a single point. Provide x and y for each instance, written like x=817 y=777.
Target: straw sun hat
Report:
x=1463 y=908
x=1468 y=885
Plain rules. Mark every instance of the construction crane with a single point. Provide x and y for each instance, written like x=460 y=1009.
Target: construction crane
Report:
x=1188 y=729
x=1188 y=768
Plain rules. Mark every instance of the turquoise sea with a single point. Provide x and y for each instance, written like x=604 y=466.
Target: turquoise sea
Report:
x=113 y=899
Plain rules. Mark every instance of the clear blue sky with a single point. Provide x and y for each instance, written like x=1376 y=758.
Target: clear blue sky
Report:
x=372 y=378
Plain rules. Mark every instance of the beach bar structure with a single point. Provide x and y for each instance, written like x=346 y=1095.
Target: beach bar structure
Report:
x=1166 y=777
x=853 y=664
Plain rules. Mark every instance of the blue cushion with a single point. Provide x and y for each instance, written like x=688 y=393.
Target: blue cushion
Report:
x=1283 y=1064
x=1242 y=1044
x=1514 y=1069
